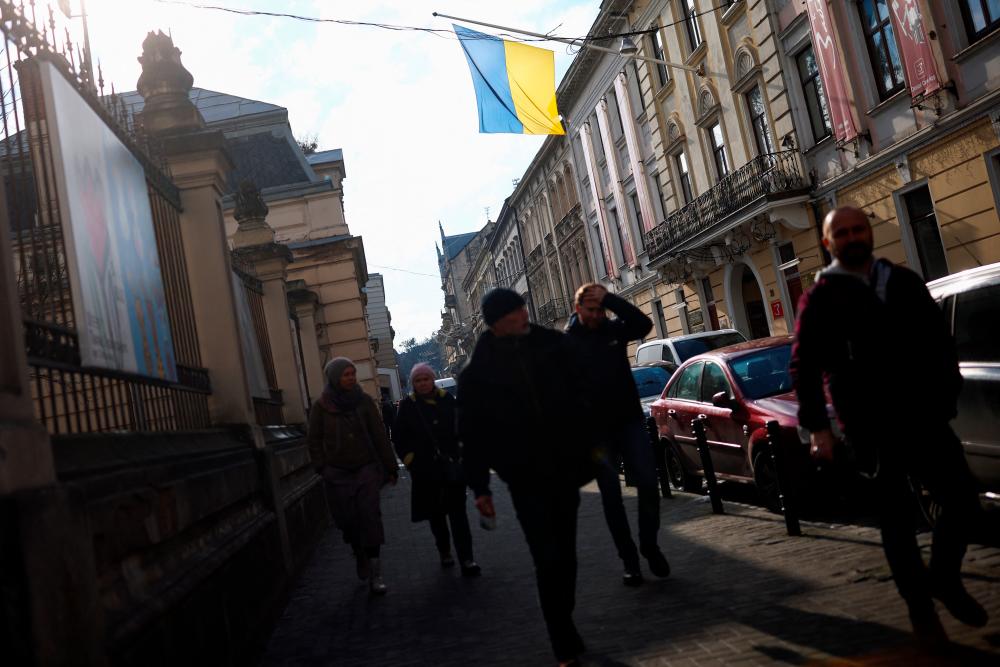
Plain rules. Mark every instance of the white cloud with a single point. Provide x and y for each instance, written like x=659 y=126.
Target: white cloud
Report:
x=400 y=105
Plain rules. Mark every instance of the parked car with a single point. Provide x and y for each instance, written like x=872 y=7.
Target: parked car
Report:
x=650 y=379
x=739 y=389
x=448 y=384
x=971 y=302
x=679 y=349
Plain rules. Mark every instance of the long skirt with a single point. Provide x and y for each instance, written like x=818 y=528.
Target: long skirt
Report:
x=353 y=496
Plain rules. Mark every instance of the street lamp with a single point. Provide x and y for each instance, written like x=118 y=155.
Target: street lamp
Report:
x=628 y=47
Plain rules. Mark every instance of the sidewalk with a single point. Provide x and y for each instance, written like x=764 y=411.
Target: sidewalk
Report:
x=741 y=592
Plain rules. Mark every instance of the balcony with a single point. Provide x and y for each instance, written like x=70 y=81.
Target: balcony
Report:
x=764 y=179
x=551 y=311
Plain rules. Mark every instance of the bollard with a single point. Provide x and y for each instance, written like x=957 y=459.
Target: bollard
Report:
x=786 y=502
x=661 y=460
x=698 y=428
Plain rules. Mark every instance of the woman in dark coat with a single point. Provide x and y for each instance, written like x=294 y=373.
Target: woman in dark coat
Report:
x=426 y=441
x=350 y=450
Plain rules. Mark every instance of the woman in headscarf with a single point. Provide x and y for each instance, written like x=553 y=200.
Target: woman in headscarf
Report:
x=351 y=452
x=426 y=440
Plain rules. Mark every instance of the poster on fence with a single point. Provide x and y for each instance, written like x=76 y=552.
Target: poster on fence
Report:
x=118 y=298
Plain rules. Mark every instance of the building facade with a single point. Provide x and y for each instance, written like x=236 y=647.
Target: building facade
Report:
x=382 y=337
x=455 y=258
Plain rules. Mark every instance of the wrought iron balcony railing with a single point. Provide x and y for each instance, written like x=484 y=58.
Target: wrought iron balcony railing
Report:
x=765 y=176
x=551 y=311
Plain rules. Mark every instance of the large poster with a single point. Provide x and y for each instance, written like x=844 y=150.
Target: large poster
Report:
x=119 y=305
x=918 y=59
x=830 y=70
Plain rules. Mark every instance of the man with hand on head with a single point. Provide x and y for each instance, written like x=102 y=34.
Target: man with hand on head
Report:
x=520 y=413
x=601 y=347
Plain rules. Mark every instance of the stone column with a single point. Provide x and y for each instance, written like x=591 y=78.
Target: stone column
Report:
x=254 y=242
x=305 y=303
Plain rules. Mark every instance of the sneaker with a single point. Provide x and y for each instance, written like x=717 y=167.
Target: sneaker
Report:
x=961 y=605
x=447 y=560
x=632 y=576
x=658 y=564
x=470 y=568
x=376 y=584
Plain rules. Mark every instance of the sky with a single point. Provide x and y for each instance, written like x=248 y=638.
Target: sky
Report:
x=399 y=103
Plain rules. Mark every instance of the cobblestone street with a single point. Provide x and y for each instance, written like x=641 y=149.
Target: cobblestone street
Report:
x=741 y=592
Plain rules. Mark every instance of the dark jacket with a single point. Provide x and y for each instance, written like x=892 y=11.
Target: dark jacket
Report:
x=349 y=439
x=602 y=355
x=521 y=412
x=887 y=362
x=424 y=429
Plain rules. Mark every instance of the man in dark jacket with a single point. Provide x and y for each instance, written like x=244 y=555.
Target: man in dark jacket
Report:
x=518 y=414
x=601 y=347
x=873 y=331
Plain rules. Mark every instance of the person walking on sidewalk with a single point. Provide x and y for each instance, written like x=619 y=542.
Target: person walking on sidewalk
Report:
x=426 y=440
x=351 y=452
x=601 y=346
x=873 y=331
x=520 y=413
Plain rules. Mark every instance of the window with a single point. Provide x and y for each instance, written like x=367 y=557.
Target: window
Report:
x=882 y=46
x=719 y=151
x=763 y=373
x=713 y=381
x=616 y=114
x=656 y=46
x=634 y=199
x=812 y=89
x=976 y=314
x=691 y=23
x=758 y=119
x=638 y=87
x=659 y=195
x=602 y=264
x=650 y=381
x=926 y=235
x=661 y=321
x=694 y=346
x=981 y=17
x=793 y=281
x=684 y=176
x=618 y=230
x=689 y=383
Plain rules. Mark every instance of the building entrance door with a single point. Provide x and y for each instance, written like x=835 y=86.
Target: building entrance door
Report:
x=753 y=304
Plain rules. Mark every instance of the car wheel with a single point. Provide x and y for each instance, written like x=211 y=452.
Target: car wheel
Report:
x=679 y=477
x=765 y=478
x=929 y=509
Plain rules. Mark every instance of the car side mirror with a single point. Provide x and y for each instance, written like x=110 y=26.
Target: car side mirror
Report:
x=722 y=400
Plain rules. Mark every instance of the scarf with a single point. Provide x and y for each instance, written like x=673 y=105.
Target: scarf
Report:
x=335 y=399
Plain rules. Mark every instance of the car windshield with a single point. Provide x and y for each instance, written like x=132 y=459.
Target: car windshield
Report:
x=650 y=381
x=693 y=346
x=763 y=373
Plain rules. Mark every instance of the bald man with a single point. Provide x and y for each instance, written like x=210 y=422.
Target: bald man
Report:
x=873 y=332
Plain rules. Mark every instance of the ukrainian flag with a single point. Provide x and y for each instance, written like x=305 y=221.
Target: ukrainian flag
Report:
x=515 y=84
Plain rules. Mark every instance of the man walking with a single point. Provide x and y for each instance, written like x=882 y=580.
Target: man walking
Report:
x=519 y=413
x=601 y=346
x=873 y=330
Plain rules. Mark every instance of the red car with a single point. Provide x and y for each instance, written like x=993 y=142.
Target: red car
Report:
x=739 y=389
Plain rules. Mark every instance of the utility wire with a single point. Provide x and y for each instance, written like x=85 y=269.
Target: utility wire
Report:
x=437 y=32
x=393 y=268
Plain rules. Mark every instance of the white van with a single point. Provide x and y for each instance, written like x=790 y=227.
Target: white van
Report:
x=681 y=348
x=448 y=384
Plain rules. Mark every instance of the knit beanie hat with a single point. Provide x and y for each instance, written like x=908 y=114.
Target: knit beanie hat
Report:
x=335 y=368
x=498 y=302
x=421 y=369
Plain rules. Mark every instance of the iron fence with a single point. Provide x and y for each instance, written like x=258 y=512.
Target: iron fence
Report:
x=552 y=310
x=68 y=397
x=764 y=176
x=267 y=410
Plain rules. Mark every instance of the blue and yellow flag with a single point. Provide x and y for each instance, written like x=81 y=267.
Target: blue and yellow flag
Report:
x=515 y=84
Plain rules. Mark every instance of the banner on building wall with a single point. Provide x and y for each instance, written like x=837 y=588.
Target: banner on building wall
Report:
x=111 y=253
x=830 y=70
x=918 y=59
x=595 y=192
